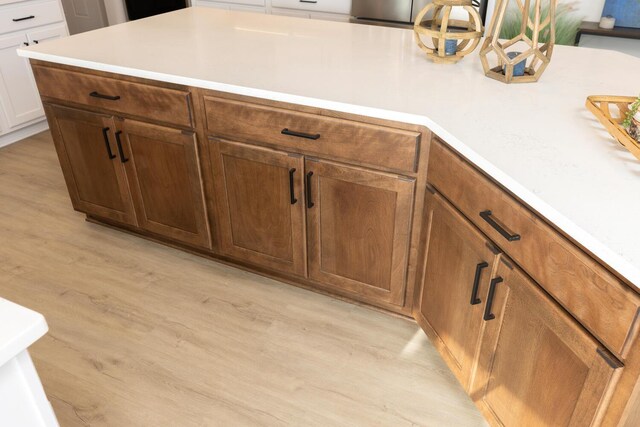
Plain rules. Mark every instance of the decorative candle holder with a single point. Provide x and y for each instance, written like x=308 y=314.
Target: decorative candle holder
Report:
x=449 y=40
x=534 y=53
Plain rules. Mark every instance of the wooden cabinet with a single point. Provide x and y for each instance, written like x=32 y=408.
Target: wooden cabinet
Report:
x=165 y=180
x=359 y=223
x=94 y=175
x=537 y=366
x=261 y=205
x=458 y=268
x=131 y=172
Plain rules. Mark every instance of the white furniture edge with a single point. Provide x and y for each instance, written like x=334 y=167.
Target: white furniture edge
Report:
x=19 y=328
x=23 y=132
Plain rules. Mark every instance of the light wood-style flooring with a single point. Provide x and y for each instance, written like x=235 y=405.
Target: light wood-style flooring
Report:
x=145 y=335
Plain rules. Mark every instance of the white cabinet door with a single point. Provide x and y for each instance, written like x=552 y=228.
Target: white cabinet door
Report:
x=18 y=93
x=51 y=33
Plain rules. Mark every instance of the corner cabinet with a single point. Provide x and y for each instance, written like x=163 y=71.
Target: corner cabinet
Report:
x=459 y=265
x=526 y=357
x=537 y=366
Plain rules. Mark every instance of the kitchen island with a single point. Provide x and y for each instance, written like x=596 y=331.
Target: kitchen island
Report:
x=228 y=89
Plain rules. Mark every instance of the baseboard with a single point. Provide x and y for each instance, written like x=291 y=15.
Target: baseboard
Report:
x=23 y=133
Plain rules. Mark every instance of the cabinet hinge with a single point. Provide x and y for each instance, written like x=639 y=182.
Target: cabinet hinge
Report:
x=610 y=360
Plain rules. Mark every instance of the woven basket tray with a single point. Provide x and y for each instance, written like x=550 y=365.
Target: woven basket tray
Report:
x=612 y=118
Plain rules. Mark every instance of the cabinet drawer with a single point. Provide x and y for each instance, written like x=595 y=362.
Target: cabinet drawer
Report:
x=589 y=292
x=29 y=14
x=135 y=99
x=332 y=6
x=338 y=139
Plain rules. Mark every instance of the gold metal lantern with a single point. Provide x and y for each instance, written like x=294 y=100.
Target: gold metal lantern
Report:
x=523 y=58
x=448 y=40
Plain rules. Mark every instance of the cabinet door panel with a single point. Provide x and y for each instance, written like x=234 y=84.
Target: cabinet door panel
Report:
x=537 y=366
x=164 y=175
x=457 y=270
x=259 y=222
x=18 y=93
x=97 y=183
x=358 y=230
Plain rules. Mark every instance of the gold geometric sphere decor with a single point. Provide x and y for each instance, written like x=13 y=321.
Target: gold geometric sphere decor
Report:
x=523 y=58
x=449 y=40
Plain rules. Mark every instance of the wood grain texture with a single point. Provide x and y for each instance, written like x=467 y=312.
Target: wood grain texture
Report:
x=454 y=249
x=139 y=100
x=579 y=283
x=97 y=184
x=257 y=222
x=362 y=143
x=143 y=334
x=359 y=229
x=537 y=366
x=163 y=172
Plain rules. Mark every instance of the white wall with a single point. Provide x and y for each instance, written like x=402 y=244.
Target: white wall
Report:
x=115 y=11
x=591 y=10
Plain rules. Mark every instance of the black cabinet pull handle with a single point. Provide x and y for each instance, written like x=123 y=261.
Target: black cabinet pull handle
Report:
x=286 y=131
x=308 y=1
x=35 y=41
x=308 y=191
x=123 y=159
x=476 y=283
x=488 y=315
x=23 y=19
x=26 y=43
x=101 y=96
x=486 y=215
x=291 y=188
x=105 y=133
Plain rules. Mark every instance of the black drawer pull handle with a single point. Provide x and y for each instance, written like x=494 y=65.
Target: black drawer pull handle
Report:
x=476 y=283
x=23 y=19
x=286 y=131
x=486 y=215
x=123 y=159
x=26 y=43
x=308 y=191
x=105 y=133
x=291 y=188
x=488 y=315
x=308 y=1
x=101 y=96
x=36 y=41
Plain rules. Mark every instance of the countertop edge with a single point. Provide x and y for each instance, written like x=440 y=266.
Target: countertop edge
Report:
x=33 y=327
x=614 y=261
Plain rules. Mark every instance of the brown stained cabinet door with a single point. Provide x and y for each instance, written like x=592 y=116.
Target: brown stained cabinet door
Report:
x=457 y=271
x=537 y=366
x=95 y=177
x=164 y=175
x=358 y=225
x=261 y=205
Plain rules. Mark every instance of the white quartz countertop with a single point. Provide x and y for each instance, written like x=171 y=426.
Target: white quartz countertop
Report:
x=538 y=140
x=19 y=328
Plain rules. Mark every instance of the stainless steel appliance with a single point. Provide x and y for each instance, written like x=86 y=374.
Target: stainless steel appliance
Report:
x=396 y=12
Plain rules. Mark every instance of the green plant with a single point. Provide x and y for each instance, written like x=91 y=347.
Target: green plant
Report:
x=633 y=110
x=567 y=23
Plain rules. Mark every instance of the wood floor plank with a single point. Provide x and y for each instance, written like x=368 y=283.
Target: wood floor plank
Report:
x=142 y=334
